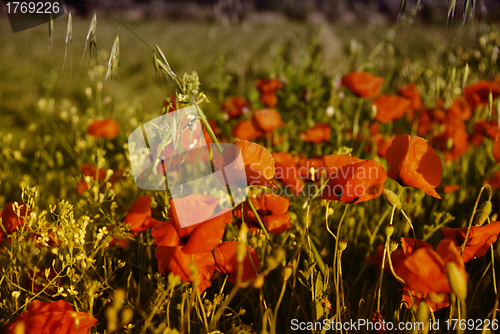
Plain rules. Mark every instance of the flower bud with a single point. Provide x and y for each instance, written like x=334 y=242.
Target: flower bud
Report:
x=392 y=199
x=389 y=230
x=342 y=245
x=458 y=283
x=423 y=316
x=287 y=272
x=483 y=213
x=436 y=297
x=258 y=282
x=393 y=245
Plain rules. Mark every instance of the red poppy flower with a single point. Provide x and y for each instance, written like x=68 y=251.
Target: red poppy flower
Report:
x=494 y=181
x=417 y=297
x=175 y=260
x=479 y=240
x=287 y=171
x=390 y=107
x=477 y=94
x=425 y=270
x=56 y=317
x=410 y=92
x=267 y=120
x=273 y=212
x=449 y=188
x=377 y=318
x=106 y=127
x=139 y=216
x=235 y=106
x=245 y=130
x=362 y=83
x=319 y=133
x=352 y=180
x=412 y=162
x=226 y=262
x=496 y=148
x=482 y=129
x=305 y=166
x=259 y=163
x=89 y=170
x=267 y=88
x=383 y=144
x=198 y=238
x=10 y=220
x=452 y=141
x=268 y=85
x=405 y=250
x=460 y=109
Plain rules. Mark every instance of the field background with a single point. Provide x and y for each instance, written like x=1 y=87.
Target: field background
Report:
x=230 y=54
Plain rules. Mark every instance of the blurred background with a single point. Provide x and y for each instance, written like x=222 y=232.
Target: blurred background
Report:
x=229 y=43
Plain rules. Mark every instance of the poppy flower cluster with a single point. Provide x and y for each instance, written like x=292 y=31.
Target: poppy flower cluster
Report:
x=178 y=248
x=267 y=89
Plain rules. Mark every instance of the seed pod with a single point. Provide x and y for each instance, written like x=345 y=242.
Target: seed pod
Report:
x=393 y=245
x=287 y=272
x=258 y=282
x=483 y=213
x=389 y=230
x=458 y=283
x=423 y=316
x=392 y=199
x=342 y=245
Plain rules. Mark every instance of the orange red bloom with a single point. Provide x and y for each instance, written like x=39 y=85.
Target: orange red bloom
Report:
x=319 y=133
x=390 y=107
x=352 y=180
x=478 y=93
x=106 y=127
x=10 y=220
x=56 y=317
x=226 y=261
x=259 y=163
x=363 y=84
x=412 y=162
x=425 y=269
x=410 y=92
x=287 y=171
x=267 y=120
x=272 y=210
x=245 y=130
x=235 y=106
x=139 y=215
x=267 y=88
x=479 y=240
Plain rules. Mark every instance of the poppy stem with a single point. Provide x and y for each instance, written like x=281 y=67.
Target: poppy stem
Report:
x=336 y=269
x=355 y=122
x=471 y=219
x=262 y=226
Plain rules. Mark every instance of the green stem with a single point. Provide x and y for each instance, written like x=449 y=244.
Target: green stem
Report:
x=259 y=220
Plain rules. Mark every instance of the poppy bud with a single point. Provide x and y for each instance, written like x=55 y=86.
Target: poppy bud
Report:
x=437 y=297
x=483 y=213
x=389 y=230
x=287 y=272
x=392 y=199
x=458 y=283
x=423 y=316
x=342 y=245
x=258 y=282
x=393 y=245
